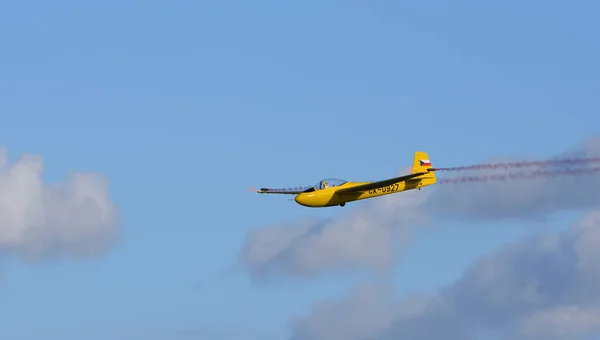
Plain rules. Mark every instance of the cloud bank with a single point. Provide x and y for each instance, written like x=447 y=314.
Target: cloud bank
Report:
x=364 y=238
x=369 y=235
x=544 y=287
x=39 y=221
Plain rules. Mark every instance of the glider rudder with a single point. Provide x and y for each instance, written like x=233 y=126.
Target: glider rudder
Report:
x=422 y=163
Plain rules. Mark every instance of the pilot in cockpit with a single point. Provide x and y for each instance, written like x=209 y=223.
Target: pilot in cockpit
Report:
x=322 y=185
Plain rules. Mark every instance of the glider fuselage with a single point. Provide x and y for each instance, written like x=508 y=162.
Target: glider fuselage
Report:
x=330 y=197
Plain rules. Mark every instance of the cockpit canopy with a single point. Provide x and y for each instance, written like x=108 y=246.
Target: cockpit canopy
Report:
x=328 y=183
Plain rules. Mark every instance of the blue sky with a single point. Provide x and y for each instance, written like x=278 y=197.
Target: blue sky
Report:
x=184 y=105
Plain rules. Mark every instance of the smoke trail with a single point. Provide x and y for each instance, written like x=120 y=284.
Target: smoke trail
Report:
x=524 y=164
x=521 y=175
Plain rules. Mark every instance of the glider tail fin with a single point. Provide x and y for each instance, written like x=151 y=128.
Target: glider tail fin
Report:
x=422 y=163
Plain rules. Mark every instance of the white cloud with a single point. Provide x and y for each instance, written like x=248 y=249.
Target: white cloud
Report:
x=534 y=289
x=38 y=220
x=363 y=238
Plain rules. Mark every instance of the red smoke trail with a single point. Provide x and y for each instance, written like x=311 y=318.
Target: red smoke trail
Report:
x=521 y=175
x=524 y=164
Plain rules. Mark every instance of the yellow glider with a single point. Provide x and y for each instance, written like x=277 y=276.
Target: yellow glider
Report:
x=332 y=192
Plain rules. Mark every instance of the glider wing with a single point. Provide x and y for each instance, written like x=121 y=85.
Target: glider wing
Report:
x=379 y=184
x=285 y=191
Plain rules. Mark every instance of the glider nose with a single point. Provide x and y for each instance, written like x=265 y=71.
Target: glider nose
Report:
x=300 y=199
